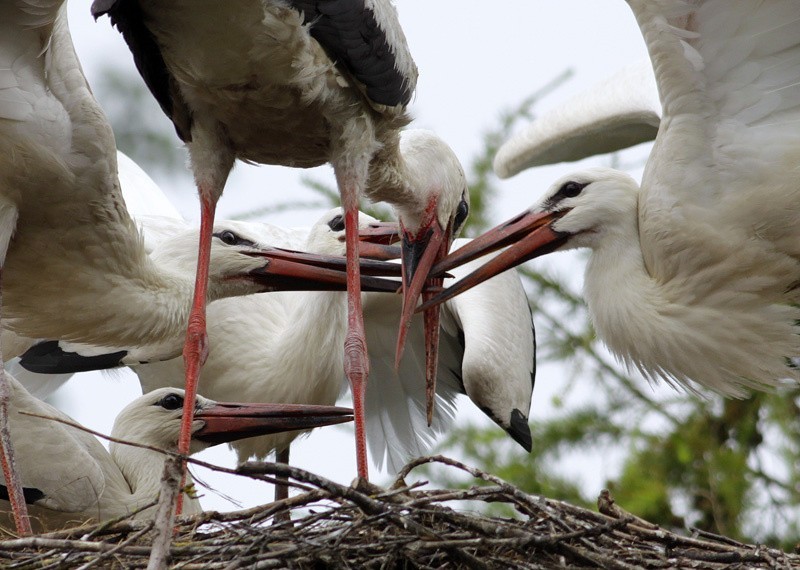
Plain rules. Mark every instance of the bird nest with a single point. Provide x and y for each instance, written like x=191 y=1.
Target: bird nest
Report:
x=405 y=526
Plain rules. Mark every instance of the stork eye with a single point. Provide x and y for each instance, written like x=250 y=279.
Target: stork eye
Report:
x=228 y=237
x=171 y=402
x=337 y=223
x=461 y=214
x=571 y=189
x=232 y=238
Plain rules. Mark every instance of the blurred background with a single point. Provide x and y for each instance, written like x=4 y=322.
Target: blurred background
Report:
x=486 y=70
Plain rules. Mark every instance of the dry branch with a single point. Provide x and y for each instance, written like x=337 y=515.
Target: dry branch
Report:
x=406 y=526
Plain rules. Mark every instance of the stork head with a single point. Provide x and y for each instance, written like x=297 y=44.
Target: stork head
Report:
x=244 y=261
x=375 y=237
x=432 y=209
x=584 y=209
x=155 y=419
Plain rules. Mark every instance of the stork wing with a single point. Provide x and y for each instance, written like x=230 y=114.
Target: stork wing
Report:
x=61 y=467
x=487 y=351
x=620 y=112
x=364 y=38
x=726 y=158
x=58 y=168
x=143 y=197
x=397 y=427
x=127 y=16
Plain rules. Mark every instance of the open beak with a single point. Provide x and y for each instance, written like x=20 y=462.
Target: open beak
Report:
x=419 y=254
x=225 y=422
x=286 y=270
x=529 y=235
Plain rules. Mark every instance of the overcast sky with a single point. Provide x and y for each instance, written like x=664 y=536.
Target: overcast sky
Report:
x=475 y=59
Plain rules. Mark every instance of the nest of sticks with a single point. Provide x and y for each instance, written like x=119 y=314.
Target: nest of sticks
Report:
x=405 y=526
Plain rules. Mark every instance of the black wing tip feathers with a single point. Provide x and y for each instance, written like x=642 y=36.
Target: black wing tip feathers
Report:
x=102 y=7
x=30 y=494
x=49 y=358
x=520 y=430
x=353 y=38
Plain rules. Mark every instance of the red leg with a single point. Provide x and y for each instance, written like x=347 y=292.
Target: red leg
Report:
x=15 y=495
x=195 y=350
x=356 y=363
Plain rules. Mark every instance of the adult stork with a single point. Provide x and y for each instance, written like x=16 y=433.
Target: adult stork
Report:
x=70 y=479
x=298 y=83
x=59 y=197
x=695 y=277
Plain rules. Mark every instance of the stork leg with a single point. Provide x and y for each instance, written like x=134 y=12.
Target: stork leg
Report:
x=356 y=363
x=195 y=349
x=15 y=495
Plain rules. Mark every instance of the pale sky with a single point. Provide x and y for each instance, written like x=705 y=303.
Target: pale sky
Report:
x=476 y=59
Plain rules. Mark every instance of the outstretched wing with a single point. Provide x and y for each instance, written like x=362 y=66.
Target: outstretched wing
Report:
x=726 y=158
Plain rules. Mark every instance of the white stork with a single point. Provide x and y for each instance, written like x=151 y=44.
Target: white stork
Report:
x=77 y=268
x=299 y=83
x=70 y=479
x=695 y=276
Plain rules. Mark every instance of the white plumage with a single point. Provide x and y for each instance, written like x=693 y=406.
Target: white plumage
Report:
x=74 y=237
x=694 y=277
x=619 y=112
x=70 y=478
x=295 y=83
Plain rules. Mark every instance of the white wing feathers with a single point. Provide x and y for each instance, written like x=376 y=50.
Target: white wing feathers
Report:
x=621 y=111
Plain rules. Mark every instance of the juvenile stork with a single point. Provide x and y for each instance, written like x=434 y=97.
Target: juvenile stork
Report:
x=695 y=276
x=298 y=83
x=70 y=479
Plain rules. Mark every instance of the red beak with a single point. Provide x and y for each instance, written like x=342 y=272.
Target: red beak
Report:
x=420 y=253
x=377 y=239
x=225 y=422
x=287 y=270
x=530 y=233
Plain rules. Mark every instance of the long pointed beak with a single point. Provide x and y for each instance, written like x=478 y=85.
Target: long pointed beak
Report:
x=420 y=253
x=531 y=235
x=226 y=422
x=286 y=270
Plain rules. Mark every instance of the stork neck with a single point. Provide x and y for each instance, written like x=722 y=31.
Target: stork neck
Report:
x=142 y=469
x=387 y=180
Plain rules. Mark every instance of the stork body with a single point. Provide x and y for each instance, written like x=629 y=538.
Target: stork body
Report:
x=694 y=277
x=297 y=83
x=70 y=479
x=283 y=347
